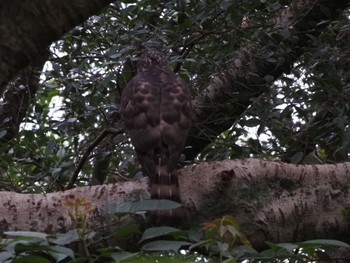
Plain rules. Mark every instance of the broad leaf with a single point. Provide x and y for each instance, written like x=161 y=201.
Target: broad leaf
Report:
x=158 y=232
x=38 y=235
x=324 y=243
x=165 y=245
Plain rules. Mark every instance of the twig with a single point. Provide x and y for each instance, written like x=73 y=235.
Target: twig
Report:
x=89 y=149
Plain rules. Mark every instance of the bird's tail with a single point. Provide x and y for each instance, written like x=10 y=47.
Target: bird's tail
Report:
x=165 y=185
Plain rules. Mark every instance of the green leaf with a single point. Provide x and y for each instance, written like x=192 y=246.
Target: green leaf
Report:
x=144 y=205
x=31 y=259
x=127 y=230
x=153 y=205
x=66 y=238
x=252 y=122
x=5 y=255
x=288 y=247
x=323 y=243
x=223 y=248
x=79 y=260
x=165 y=245
x=21 y=247
x=167 y=258
x=72 y=120
x=30 y=234
x=124 y=207
x=285 y=33
x=269 y=78
x=123 y=255
x=225 y=4
x=49 y=147
x=3 y=133
x=244 y=251
x=61 y=253
x=51 y=86
x=268 y=253
x=324 y=9
x=285 y=248
x=203 y=243
x=61 y=153
x=158 y=232
x=297 y=158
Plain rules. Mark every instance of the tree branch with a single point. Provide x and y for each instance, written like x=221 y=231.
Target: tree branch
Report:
x=87 y=152
x=273 y=201
x=17 y=100
x=39 y=23
x=236 y=88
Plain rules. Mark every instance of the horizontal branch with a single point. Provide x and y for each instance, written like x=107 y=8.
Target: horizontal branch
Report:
x=272 y=201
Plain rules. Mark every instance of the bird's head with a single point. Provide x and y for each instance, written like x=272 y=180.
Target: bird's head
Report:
x=151 y=59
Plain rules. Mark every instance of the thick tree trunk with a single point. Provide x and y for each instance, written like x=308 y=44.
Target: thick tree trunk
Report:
x=272 y=201
x=28 y=27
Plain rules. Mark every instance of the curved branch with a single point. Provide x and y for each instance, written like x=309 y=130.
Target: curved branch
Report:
x=87 y=152
x=39 y=23
x=21 y=93
x=236 y=88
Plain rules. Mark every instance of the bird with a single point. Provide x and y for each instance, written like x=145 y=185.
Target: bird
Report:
x=156 y=111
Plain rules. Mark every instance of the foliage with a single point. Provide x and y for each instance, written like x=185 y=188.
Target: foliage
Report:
x=33 y=247
x=221 y=236
x=27 y=247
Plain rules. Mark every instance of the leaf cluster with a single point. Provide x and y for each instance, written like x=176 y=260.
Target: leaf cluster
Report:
x=160 y=244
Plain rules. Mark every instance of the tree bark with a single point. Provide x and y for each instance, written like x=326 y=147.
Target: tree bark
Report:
x=18 y=98
x=28 y=27
x=238 y=86
x=50 y=213
x=272 y=201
